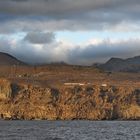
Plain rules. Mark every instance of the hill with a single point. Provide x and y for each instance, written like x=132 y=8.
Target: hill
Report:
x=6 y=59
x=125 y=65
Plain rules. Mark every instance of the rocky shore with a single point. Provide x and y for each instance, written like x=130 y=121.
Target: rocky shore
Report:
x=85 y=102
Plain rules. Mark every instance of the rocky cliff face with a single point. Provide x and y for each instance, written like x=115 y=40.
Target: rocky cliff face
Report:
x=5 y=89
x=92 y=102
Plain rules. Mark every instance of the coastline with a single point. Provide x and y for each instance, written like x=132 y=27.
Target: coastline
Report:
x=88 y=102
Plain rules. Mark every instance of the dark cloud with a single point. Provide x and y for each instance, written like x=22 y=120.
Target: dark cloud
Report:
x=40 y=38
x=19 y=0
x=55 y=7
x=69 y=9
x=69 y=14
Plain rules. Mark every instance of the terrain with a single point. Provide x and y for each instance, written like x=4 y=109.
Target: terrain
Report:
x=66 y=92
x=7 y=59
x=125 y=65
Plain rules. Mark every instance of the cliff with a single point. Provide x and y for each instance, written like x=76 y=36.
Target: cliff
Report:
x=90 y=102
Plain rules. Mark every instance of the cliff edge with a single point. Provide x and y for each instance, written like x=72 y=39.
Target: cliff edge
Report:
x=86 y=102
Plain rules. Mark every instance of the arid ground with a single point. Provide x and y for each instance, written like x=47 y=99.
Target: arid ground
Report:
x=57 y=75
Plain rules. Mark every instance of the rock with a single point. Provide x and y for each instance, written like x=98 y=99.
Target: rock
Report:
x=7 y=116
x=87 y=102
x=5 y=89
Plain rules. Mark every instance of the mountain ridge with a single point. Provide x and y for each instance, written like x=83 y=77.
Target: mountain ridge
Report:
x=113 y=64
x=7 y=59
x=125 y=65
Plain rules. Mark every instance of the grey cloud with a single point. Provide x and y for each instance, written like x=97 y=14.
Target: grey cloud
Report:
x=68 y=14
x=59 y=6
x=52 y=25
x=104 y=51
x=40 y=38
x=86 y=55
x=65 y=7
x=58 y=9
x=35 y=17
x=25 y=52
x=19 y=0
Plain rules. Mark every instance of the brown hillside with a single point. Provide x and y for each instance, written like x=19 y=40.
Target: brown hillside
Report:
x=6 y=59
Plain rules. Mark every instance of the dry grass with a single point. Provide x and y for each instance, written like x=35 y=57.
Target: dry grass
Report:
x=57 y=75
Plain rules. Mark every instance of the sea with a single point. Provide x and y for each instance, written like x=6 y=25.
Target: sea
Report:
x=69 y=130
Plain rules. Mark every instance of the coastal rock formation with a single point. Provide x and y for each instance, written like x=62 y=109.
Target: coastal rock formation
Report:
x=5 y=89
x=89 y=102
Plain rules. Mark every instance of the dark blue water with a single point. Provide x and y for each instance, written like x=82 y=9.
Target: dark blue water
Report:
x=69 y=130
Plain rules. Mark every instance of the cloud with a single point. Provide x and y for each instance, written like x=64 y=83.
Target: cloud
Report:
x=65 y=7
x=70 y=14
x=40 y=38
x=38 y=19
x=96 y=51
x=104 y=50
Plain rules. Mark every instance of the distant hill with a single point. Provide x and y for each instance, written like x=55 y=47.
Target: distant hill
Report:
x=6 y=59
x=125 y=65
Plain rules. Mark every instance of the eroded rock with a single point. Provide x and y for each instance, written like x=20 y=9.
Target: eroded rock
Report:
x=5 y=89
x=19 y=101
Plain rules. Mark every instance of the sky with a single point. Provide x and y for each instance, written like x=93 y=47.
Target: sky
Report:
x=79 y=32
